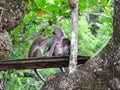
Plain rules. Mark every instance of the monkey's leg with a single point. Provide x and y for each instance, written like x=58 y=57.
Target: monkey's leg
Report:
x=62 y=69
x=39 y=75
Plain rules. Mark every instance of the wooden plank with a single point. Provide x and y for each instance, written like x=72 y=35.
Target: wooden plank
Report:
x=43 y=62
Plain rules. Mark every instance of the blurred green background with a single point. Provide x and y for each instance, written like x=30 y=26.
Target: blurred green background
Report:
x=95 y=29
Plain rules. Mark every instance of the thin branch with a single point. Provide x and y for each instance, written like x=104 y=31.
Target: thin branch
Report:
x=41 y=30
x=1 y=19
x=74 y=36
x=100 y=14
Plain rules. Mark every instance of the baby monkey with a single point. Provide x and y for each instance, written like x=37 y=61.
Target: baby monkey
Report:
x=66 y=46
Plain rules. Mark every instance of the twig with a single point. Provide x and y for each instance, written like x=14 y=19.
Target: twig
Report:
x=100 y=14
x=1 y=16
x=41 y=30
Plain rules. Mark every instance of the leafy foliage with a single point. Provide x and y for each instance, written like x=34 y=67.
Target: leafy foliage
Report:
x=95 y=30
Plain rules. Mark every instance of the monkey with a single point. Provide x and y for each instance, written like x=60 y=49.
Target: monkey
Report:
x=38 y=45
x=34 y=49
x=57 y=47
x=37 y=50
x=66 y=49
x=59 y=34
x=54 y=42
x=62 y=44
x=62 y=49
x=66 y=46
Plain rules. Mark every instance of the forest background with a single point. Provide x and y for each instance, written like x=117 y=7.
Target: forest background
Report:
x=95 y=30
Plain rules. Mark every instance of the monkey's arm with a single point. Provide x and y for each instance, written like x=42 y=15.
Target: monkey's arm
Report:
x=47 y=41
x=52 y=48
x=48 y=45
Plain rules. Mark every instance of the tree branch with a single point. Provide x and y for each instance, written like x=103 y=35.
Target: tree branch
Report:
x=43 y=62
x=100 y=14
x=41 y=30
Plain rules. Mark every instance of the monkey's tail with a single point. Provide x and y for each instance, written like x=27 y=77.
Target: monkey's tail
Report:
x=62 y=69
x=40 y=76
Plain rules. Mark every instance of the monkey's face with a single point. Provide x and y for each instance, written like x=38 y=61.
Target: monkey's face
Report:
x=66 y=42
x=58 y=32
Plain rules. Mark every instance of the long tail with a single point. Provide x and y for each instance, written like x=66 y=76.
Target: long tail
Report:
x=40 y=76
x=62 y=69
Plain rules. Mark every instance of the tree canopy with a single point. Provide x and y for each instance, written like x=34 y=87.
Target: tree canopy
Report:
x=94 y=22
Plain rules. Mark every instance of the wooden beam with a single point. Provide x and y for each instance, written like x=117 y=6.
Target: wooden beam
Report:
x=43 y=62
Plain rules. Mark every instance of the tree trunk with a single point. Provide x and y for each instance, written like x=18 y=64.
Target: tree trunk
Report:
x=13 y=13
x=74 y=36
x=101 y=73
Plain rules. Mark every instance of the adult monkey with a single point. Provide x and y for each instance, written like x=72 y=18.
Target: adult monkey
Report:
x=55 y=44
x=62 y=48
x=37 y=50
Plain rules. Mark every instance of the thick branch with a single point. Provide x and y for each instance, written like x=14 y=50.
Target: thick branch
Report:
x=44 y=62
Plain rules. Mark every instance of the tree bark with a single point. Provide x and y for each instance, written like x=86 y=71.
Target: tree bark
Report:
x=13 y=13
x=101 y=73
x=2 y=86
